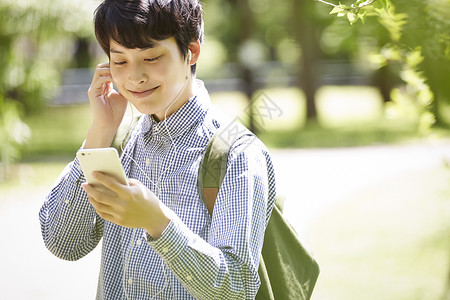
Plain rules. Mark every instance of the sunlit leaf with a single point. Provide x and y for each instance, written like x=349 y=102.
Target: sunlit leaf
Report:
x=352 y=18
x=362 y=16
x=337 y=9
x=414 y=58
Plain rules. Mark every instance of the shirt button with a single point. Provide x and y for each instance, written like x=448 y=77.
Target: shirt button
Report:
x=147 y=162
x=66 y=201
x=139 y=242
x=165 y=250
x=188 y=277
x=130 y=281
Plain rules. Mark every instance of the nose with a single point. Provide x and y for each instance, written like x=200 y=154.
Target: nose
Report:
x=137 y=75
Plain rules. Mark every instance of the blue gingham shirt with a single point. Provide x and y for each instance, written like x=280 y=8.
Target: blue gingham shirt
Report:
x=196 y=257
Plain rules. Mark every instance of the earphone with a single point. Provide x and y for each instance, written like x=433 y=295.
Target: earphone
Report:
x=189 y=56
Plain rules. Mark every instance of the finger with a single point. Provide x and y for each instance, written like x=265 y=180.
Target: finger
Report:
x=101 y=70
x=138 y=190
x=100 y=193
x=109 y=181
x=101 y=88
x=98 y=88
x=90 y=191
x=109 y=88
x=104 y=211
x=107 y=217
x=99 y=207
x=133 y=182
x=103 y=65
x=101 y=78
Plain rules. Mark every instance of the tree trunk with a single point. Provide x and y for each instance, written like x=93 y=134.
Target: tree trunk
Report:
x=246 y=20
x=306 y=33
x=82 y=57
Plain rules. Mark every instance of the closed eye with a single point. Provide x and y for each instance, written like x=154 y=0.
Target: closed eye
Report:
x=118 y=63
x=151 y=59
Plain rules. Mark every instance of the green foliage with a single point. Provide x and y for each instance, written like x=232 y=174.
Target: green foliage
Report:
x=418 y=42
x=13 y=134
x=35 y=38
x=413 y=99
x=360 y=9
x=428 y=27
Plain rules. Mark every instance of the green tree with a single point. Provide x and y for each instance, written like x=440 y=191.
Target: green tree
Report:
x=418 y=41
x=308 y=28
x=35 y=39
x=254 y=31
x=235 y=29
x=427 y=28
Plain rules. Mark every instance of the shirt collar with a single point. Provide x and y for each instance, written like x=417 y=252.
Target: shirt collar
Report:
x=193 y=111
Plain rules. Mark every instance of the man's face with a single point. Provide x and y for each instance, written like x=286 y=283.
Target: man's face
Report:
x=152 y=78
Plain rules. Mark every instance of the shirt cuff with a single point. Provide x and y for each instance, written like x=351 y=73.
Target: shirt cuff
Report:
x=171 y=242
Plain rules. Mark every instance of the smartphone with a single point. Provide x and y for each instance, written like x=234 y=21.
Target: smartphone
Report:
x=105 y=160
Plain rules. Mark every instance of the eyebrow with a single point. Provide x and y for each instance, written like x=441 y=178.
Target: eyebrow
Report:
x=115 y=51
x=111 y=50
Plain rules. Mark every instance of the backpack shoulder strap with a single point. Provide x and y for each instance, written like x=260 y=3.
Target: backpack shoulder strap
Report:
x=123 y=134
x=213 y=166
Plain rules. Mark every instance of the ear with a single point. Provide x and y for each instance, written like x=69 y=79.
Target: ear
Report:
x=195 y=49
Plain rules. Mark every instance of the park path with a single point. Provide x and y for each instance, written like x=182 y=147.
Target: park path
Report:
x=313 y=181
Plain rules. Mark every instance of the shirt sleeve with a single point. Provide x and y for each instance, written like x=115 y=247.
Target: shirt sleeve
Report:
x=226 y=265
x=69 y=224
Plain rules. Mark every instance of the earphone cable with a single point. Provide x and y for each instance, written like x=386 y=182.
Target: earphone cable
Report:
x=157 y=188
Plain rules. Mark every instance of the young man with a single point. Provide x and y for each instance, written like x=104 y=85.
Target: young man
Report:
x=159 y=241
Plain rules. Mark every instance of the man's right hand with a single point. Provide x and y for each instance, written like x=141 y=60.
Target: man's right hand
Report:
x=107 y=106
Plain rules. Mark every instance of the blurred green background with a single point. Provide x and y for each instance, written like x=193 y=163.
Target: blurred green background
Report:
x=339 y=95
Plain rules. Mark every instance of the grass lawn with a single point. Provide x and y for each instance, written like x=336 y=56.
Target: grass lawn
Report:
x=58 y=130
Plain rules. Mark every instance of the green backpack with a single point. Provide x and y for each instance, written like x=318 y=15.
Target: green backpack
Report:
x=286 y=269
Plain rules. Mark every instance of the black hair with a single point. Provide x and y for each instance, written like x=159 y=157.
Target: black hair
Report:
x=139 y=23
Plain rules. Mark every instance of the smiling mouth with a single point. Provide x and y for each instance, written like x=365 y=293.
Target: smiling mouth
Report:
x=140 y=94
